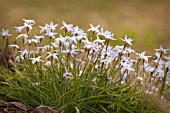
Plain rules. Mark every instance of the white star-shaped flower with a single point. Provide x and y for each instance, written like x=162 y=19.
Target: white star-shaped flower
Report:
x=67 y=74
x=143 y=57
x=44 y=29
x=52 y=26
x=36 y=60
x=52 y=55
x=127 y=40
x=68 y=27
x=50 y=34
x=94 y=29
x=161 y=49
x=38 y=37
x=25 y=36
x=29 y=22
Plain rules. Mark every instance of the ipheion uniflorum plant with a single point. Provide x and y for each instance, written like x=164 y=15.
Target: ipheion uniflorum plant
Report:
x=78 y=55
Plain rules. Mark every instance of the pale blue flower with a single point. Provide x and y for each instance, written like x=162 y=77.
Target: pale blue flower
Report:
x=4 y=33
x=19 y=29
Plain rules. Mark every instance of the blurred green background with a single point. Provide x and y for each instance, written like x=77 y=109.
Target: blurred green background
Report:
x=146 y=21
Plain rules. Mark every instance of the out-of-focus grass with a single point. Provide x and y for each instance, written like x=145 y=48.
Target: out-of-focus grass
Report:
x=146 y=21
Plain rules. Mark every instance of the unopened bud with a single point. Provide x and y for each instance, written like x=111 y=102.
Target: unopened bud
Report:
x=10 y=62
x=111 y=107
